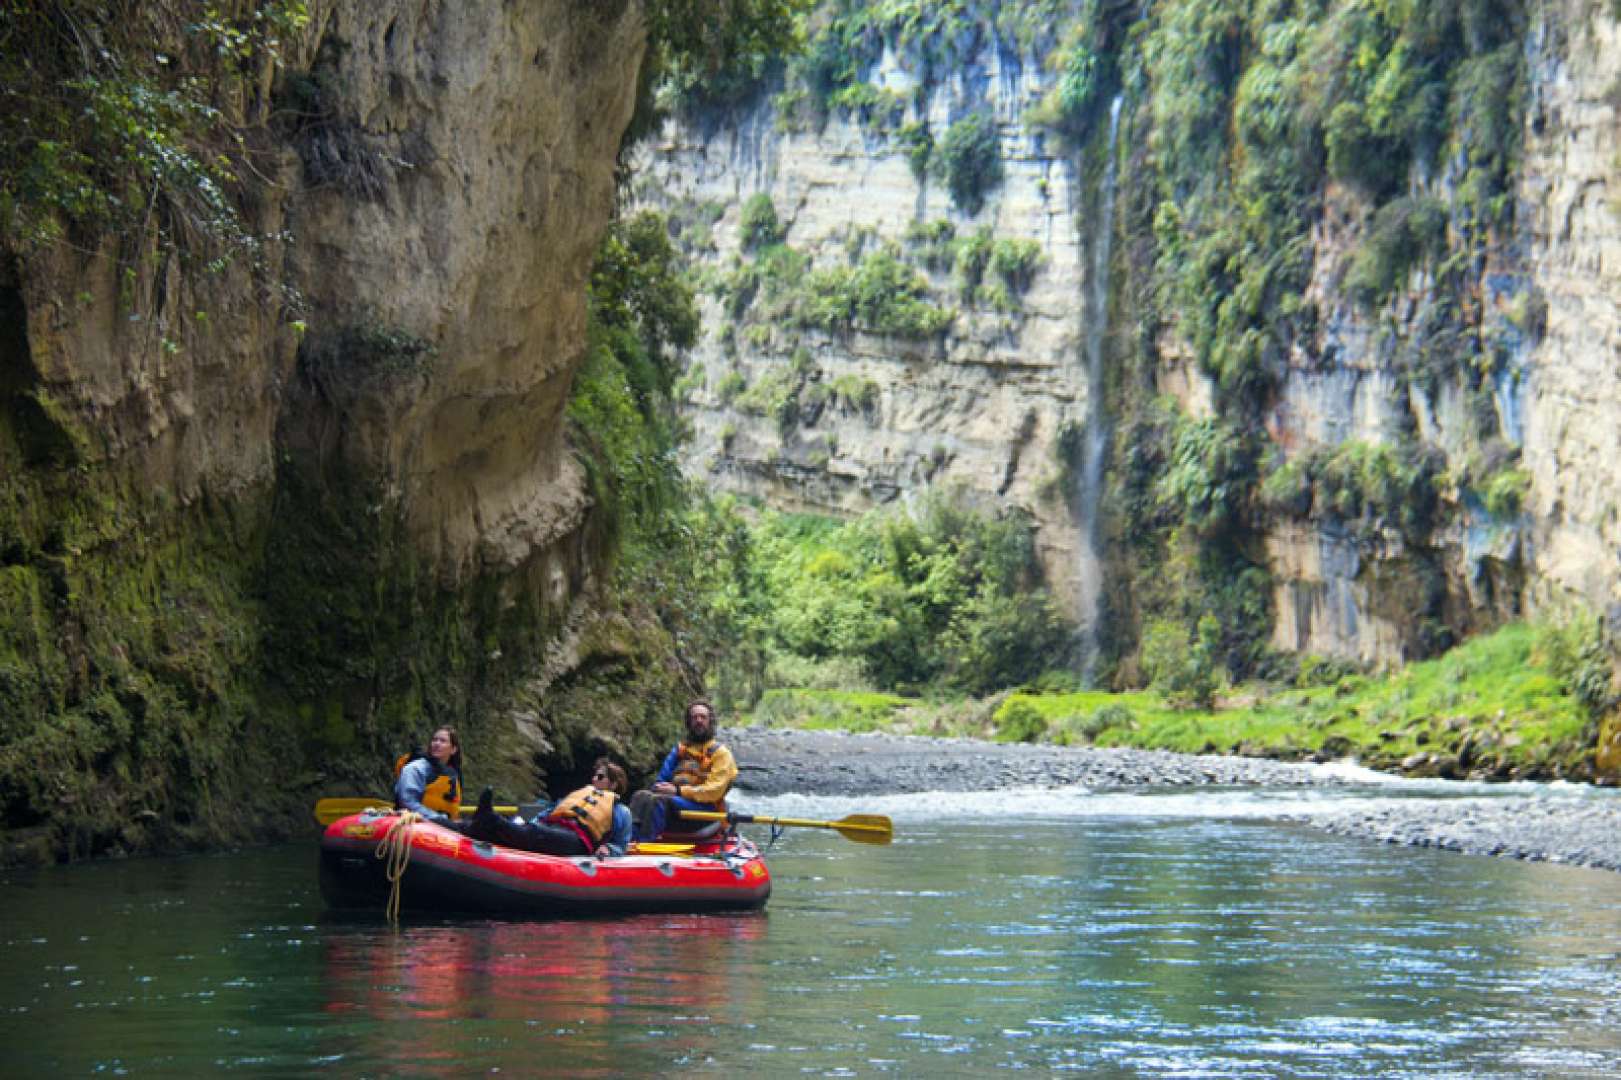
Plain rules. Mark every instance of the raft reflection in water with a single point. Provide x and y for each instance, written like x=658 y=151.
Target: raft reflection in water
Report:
x=492 y=994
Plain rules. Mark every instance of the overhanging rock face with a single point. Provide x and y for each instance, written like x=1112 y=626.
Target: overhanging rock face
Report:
x=177 y=512
x=490 y=136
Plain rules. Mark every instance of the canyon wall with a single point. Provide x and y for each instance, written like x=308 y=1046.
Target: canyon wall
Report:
x=1486 y=373
x=278 y=495
x=980 y=407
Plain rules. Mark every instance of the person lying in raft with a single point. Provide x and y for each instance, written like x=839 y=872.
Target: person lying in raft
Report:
x=590 y=820
x=696 y=775
x=431 y=784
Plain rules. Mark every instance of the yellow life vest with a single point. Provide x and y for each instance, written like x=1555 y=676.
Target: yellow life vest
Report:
x=692 y=766
x=589 y=808
x=692 y=763
x=444 y=791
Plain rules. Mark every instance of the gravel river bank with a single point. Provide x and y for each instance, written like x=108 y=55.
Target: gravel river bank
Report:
x=1520 y=822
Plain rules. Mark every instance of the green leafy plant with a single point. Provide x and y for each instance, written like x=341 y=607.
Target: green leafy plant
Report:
x=969 y=159
x=917 y=142
x=1019 y=721
x=1183 y=671
x=758 y=226
x=1015 y=262
x=1504 y=494
x=113 y=123
x=1403 y=233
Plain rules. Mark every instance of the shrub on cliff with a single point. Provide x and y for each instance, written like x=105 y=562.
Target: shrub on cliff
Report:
x=757 y=225
x=881 y=294
x=642 y=317
x=114 y=121
x=1403 y=234
x=1210 y=476
x=969 y=158
x=710 y=56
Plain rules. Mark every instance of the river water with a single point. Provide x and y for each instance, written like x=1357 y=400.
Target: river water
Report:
x=1140 y=935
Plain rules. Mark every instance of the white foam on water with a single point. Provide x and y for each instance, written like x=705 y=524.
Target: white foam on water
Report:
x=1196 y=803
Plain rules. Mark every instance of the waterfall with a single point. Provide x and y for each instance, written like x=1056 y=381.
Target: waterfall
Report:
x=1095 y=436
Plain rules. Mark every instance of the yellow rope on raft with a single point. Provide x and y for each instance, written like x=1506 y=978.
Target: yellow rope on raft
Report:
x=395 y=851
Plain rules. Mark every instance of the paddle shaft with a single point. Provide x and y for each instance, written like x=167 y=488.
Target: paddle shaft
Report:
x=329 y=810
x=864 y=828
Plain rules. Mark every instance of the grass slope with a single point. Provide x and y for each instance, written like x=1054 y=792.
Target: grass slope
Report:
x=1490 y=708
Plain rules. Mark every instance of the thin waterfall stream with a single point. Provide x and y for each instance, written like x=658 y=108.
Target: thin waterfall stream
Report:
x=1095 y=435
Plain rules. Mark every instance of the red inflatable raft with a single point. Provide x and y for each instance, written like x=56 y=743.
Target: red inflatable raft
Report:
x=448 y=872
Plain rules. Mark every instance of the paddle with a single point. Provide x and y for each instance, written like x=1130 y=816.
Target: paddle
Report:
x=862 y=828
x=329 y=810
x=644 y=847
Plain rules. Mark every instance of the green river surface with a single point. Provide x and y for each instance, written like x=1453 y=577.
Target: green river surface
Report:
x=1169 y=934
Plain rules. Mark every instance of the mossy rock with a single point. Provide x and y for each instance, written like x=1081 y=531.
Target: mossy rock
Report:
x=1607 y=754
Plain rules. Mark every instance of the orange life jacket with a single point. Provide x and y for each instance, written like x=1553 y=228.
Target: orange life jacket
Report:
x=592 y=810
x=692 y=766
x=444 y=791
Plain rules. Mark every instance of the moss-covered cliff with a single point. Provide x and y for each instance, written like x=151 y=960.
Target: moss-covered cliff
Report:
x=1265 y=313
x=291 y=300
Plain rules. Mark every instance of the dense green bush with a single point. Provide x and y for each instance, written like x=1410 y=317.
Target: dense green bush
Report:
x=856 y=393
x=969 y=159
x=1504 y=493
x=758 y=226
x=1184 y=672
x=1210 y=476
x=917 y=142
x=130 y=119
x=1019 y=721
x=1572 y=647
x=1015 y=262
x=774 y=394
x=1384 y=485
x=642 y=318
x=933 y=243
x=881 y=293
x=705 y=56
x=1365 y=485
x=1287 y=488
x=1374 y=165
x=971 y=255
x=1088 y=727
x=947 y=596
x=1403 y=234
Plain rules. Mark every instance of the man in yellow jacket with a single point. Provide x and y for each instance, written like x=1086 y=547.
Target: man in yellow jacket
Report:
x=695 y=776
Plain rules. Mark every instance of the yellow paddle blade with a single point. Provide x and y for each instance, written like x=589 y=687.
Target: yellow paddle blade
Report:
x=866 y=828
x=652 y=848
x=329 y=810
x=862 y=828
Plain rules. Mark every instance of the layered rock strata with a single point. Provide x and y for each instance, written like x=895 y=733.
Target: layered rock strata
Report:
x=995 y=403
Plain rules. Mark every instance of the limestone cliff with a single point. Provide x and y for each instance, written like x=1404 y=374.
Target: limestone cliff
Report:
x=981 y=405
x=264 y=518
x=1416 y=366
